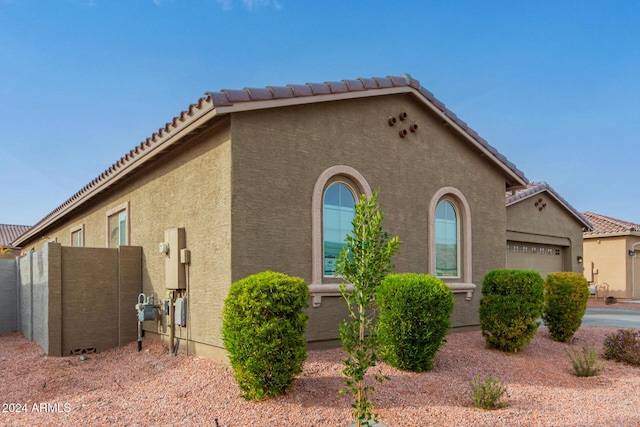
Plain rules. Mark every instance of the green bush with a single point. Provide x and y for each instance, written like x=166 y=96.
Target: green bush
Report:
x=565 y=298
x=512 y=301
x=585 y=363
x=488 y=391
x=263 y=332
x=414 y=318
x=623 y=346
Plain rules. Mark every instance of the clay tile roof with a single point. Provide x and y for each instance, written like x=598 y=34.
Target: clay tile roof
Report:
x=539 y=187
x=338 y=87
x=225 y=100
x=237 y=95
x=319 y=88
x=9 y=233
x=259 y=94
x=354 y=85
x=605 y=225
x=281 y=91
x=301 y=90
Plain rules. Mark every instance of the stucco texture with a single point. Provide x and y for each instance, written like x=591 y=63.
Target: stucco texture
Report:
x=279 y=154
x=551 y=225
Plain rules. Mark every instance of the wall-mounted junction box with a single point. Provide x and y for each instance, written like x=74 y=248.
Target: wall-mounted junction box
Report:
x=173 y=269
x=180 y=313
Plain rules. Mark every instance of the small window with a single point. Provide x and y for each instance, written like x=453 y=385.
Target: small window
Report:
x=77 y=236
x=525 y=249
x=534 y=250
x=118 y=226
x=549 y=251
x=516 y=248
x=557 y=251
x=507 y=248
x=541 y=251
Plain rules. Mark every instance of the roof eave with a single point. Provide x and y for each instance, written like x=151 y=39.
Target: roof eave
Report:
x=100 y=184
x=560 y=201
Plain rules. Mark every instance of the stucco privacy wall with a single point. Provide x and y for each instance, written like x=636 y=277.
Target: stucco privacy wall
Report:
x=8 y=296
x=191 y=188
x=526 y=223
x=279 y=154
x=75 y=300
x=98 y=287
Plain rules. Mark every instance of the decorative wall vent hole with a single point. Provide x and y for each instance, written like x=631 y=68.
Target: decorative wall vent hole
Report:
x=88 y=350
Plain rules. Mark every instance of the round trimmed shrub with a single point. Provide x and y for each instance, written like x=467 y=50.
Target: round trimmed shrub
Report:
x=263 y=331
x=512 y=302
x=415 y=316
x=566 y=296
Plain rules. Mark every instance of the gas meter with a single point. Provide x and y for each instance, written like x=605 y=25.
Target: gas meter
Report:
x=146 y=308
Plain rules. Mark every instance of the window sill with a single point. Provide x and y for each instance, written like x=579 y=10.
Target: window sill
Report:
x=463 y=288
x=333 y=290
x=325 y=290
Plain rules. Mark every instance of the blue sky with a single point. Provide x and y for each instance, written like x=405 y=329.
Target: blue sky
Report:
x=553 y=85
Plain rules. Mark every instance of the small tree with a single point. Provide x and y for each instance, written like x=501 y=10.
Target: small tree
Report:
x=363 y=263
x=4 y=251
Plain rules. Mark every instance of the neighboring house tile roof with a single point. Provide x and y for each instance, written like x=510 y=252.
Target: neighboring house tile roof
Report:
x=539 y=187
x=607 y=225
x=227 y=101
x=9 y=233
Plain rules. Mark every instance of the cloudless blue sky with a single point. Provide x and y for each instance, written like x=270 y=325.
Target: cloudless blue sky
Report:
x=553 y=85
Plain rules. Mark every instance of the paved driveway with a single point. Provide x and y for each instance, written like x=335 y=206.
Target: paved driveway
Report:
x=620 y=317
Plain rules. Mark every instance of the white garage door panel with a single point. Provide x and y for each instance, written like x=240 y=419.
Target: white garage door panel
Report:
x=544 y=259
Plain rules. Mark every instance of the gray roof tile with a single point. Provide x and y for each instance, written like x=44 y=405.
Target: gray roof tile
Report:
x=9 y=233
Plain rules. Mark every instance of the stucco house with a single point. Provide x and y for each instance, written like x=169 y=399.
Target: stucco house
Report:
x=9 y=233
x=544 y=232
x=266 y=178
x=612 y=256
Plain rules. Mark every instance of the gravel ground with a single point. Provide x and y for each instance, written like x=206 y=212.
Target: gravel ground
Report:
x=152 y=388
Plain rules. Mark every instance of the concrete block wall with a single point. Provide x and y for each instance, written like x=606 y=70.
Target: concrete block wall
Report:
x=78 y=300
x=8 y=296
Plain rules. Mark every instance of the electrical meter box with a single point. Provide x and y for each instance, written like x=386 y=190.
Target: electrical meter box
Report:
x=175 y=277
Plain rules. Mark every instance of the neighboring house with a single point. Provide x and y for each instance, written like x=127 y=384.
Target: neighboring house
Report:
x=612 y=256
x=544 y=232
x=259 y=179
x=9 y=233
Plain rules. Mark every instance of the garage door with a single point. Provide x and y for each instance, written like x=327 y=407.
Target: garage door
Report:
x=544 y=259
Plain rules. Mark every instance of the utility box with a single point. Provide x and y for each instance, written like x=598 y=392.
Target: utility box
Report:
x=180 y=313
x=175 y=277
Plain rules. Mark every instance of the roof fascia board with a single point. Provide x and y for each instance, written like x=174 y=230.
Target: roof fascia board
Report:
x=159 y=146
x=312 y=99
x=592 y=235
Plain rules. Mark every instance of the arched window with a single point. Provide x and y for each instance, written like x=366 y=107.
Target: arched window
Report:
x=337 y=214
x=334 y=189
x=447 y=235
x=450 y=237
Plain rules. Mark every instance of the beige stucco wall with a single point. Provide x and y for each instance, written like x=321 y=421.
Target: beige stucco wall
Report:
x=190 y=188
x=552 y=225
x=243 y=193
x=609 y=255
x=279 y=154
